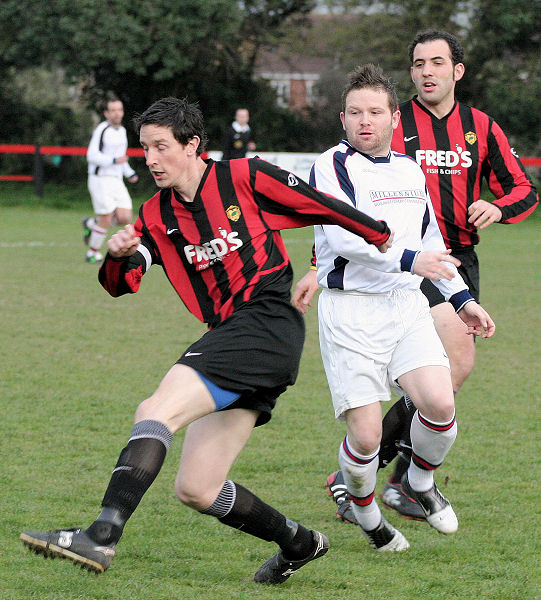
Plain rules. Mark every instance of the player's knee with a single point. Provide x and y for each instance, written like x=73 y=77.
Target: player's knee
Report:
x=104 y=221
x=143 y=411
x=193 y=495
x=441 y=409
x=149 y=409
x=366 y=443
x=186 y=495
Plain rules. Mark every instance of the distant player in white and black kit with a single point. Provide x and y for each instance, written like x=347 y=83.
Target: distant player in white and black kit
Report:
x=375 y=327
x=107 y=166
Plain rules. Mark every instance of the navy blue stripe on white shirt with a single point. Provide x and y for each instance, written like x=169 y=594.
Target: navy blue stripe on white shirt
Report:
x=339 y=161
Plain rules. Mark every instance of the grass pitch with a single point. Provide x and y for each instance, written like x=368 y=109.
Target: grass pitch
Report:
x=75 y=364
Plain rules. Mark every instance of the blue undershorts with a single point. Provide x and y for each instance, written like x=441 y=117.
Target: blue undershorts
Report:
x=222 y=398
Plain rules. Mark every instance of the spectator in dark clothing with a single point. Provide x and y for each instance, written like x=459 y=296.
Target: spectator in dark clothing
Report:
x=238 y=137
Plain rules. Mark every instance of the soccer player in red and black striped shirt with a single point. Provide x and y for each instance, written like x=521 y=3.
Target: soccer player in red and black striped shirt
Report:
x=214 y=228
x=457 y=147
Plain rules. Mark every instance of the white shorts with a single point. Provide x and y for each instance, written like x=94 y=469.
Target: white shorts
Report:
x=108 y=193
x=369 y=340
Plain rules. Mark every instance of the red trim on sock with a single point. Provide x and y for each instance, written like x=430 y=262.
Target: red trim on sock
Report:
x=434 y=426
x=423 y=464
x=362 y=501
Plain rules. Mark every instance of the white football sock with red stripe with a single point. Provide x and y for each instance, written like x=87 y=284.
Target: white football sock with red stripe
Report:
x=360 y=475
x=430 y=444
x=97 y=237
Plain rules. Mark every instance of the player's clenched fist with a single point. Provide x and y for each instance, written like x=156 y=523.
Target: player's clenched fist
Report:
x=124 y=242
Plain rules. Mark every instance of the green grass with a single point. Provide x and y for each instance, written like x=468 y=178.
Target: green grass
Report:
x=75 y=364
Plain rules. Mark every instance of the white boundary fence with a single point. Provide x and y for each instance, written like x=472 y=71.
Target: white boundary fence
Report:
x=296 y=162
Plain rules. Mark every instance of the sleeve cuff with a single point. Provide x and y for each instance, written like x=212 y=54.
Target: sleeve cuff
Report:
x=461 y=298
x=407 y=261
x=386 y=228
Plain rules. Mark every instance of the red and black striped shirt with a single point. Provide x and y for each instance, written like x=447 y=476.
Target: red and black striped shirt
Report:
x=224 y=248
x=456 y=153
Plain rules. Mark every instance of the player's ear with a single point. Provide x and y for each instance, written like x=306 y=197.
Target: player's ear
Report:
x=396 y=118
x=193 y=144
x=459 y=70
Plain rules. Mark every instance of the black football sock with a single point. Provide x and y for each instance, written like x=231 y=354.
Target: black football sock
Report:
x=104 y=531
x=237 y=507
x=301 y=545
x=401 y=467
x=404 y=456
x=395 y=422
x=137 y=467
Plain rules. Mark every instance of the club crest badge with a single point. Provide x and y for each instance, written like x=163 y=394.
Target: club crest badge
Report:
x=470 y=137
x=233 y=213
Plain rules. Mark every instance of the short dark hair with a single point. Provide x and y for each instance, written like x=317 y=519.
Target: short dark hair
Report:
x=370 y=76
x=109 y=97
x=184 y=118
x=457 y=51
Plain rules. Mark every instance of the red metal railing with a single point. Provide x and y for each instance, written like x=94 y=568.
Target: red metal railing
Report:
x=39 y=151
x=56 y=150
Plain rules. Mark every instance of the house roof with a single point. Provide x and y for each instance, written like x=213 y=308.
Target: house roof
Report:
x=276 y=60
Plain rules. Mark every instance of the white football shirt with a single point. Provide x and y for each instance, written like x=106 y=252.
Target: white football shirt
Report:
x=392 y=189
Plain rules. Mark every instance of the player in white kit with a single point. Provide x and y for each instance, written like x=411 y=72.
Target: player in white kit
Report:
x=375 y=327
x=107 y=167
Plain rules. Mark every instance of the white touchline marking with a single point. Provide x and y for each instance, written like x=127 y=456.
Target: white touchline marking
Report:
x=32 y=244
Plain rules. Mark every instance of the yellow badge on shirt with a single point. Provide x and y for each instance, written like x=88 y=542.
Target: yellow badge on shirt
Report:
x=470 y=137
x=233 y=213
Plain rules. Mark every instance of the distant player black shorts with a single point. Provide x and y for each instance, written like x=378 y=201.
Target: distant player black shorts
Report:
x=255 y=352
x=469 y=270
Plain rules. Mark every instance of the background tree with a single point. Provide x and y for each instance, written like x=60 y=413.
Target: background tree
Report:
x=351 y=32
x=503 y=75
x=151 y=48
x=501 y=40
x=207 y=50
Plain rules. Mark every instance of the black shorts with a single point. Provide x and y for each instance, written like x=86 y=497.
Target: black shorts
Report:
x=469 y=270
x=255 y=352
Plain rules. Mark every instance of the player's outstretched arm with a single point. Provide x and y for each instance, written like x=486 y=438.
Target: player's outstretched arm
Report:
x=123 y=243
x=477 y=319
x=304 y=291
x=431 y=264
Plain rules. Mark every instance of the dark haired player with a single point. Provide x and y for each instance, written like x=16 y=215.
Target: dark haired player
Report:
x=214 y=230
